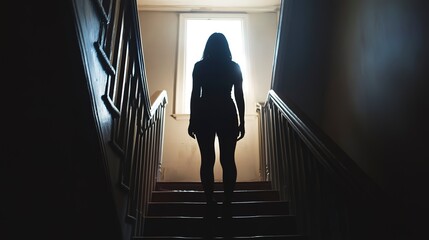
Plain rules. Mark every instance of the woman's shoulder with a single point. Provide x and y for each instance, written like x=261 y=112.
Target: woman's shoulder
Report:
x=234 y=63
x=198 y=66
x=198 y=63
x=235 y=66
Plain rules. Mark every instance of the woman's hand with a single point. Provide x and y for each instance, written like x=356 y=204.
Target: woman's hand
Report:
x=241 y=132
x=191 y=130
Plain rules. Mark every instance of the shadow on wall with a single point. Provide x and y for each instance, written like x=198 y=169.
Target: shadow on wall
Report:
x=359 y=70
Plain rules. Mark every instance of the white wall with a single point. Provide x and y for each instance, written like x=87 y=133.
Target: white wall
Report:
x=181 y=157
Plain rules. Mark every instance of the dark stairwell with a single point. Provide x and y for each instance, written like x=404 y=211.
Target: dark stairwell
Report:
x=83 y=134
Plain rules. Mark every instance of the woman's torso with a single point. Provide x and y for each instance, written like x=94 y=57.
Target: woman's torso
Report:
x=217 y=80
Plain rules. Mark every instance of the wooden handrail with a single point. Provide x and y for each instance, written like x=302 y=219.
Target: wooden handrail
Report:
x=327 y=191
x=157 y=99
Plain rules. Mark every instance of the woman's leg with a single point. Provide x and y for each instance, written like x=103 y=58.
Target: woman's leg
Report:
x=227 y=144
x=206 y=144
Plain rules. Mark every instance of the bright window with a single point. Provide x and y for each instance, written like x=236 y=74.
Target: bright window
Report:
x=195 y=29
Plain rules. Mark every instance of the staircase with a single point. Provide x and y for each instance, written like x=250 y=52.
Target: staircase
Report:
x=176 y=211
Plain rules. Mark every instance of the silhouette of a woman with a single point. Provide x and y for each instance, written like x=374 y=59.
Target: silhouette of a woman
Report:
x=214 y=113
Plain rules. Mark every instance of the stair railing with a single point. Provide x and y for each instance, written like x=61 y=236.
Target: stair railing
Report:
x=326 y=192
x=147 y=169
x=138 y=131
x=111 y=30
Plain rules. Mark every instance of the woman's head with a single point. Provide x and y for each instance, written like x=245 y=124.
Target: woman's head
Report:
x=217 y=47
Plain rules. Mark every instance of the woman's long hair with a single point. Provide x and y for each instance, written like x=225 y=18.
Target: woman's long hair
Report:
x=217 y=48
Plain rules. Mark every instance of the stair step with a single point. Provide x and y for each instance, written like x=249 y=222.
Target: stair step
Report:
x=196 y=209
x=237 y=226
x=198 y=196
x=261 y=185
x=176 y=212
x=267 y=237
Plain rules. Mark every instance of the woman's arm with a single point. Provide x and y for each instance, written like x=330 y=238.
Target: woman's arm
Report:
x=195 y=95
x=239 y=98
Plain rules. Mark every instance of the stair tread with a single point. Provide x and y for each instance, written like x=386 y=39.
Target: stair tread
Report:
x=234 y=217
x=198 y=196
x=217 y=185
x=237 y=202
x=217 y=191
x=247 y=208
x=261 y=237
x=237 y=225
